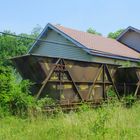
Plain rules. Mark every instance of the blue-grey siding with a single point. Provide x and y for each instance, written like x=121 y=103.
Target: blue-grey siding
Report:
x=66 y=49
x=131 y=39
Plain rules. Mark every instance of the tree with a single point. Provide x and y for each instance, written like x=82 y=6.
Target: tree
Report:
x=12 y=46
x=114 y=35
x=93 y=31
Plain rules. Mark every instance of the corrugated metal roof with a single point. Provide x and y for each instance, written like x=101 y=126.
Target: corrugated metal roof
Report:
x=99 y=43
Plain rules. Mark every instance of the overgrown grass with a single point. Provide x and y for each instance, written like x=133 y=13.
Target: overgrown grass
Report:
x=111 y=122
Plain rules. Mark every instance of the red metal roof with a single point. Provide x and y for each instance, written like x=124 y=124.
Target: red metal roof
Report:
x=99 y=43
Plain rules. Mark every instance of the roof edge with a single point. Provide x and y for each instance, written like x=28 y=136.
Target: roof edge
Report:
x=126 y=30
x=38 y=55
x=115 y=57
x=96 y=53
x=39 y=36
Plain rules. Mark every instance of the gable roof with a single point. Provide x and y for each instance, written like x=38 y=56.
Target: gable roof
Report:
x=94 y=44
x=130 y=28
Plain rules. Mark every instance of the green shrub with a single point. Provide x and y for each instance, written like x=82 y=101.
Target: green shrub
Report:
x=129 y=100
x=14 y=96
x=46 y=101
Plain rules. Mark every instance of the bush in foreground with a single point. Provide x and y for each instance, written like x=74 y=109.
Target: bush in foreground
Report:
x=15 y=97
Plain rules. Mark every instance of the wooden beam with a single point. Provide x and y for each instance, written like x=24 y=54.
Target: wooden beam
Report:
x=73 y=82
x=112 y=82
x=104 y=72
x=94 y=80
x=138 y=84
x=137 y=89
x=47 y=78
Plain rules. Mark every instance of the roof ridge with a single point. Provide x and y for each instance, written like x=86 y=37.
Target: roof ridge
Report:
x=78 y=30
x=100 y=36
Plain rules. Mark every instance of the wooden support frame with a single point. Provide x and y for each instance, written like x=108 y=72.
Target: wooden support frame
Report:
x=47 y=78
x=61 y=63
x=59 y=66
x=73 y=81
x=138 y=84
x=112 y=82
x=136 y=91
x=104 y=85
x=82 y=81
x=60 y=80
x=94 y=80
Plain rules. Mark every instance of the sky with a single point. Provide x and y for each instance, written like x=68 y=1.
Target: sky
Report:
x=21 y=16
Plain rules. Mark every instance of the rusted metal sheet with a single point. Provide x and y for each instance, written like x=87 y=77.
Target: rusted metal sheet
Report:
x=82 y=72
x=34 y=68
x=67 y=81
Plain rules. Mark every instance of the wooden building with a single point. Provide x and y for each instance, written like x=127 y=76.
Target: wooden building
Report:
x=73 y=66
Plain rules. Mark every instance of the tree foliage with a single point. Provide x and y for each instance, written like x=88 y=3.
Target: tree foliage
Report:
x=93 y=31
x=114 y=35
x=15 y=96
x=12 y=46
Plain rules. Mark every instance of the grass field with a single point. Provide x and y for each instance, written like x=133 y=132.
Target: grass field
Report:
x=112 y=122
